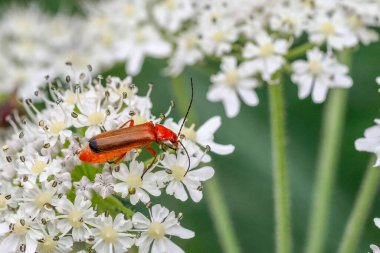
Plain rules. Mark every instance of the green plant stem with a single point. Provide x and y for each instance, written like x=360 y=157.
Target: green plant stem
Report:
x=329 y=153
x=298 y=51
x=280 y=174
x=333 y=119
x=115 y=202
x=111 y=204
x=220 y=216
x=213 y=192
x=362 y=207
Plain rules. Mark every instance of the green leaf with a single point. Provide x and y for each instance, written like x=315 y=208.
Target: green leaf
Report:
x=85 y=169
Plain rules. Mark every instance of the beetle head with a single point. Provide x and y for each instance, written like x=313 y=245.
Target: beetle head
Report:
x=166 y=136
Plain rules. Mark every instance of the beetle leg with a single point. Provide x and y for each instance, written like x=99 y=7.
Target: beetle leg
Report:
x=119 y=158
x=150 y=150
x=131 y=123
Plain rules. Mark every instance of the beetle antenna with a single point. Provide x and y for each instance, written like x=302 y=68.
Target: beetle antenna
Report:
x=188 y=157
x=188 y=109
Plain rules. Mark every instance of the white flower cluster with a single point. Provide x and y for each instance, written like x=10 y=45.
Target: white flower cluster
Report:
x=253 y=40
x=52 y=202
x=34 y=44
x=272 y=34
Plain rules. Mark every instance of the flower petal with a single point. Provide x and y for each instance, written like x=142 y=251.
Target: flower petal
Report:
x=202 y=174
x=220 y=149
x=248 y=96
x=207 y=130
x=231 y=104
x=159 y=213
x=180 y=231
x=140 y=221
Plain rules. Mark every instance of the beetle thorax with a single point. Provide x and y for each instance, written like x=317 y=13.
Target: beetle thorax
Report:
x=165 y=134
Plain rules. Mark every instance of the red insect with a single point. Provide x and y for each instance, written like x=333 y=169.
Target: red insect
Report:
x=113 y=144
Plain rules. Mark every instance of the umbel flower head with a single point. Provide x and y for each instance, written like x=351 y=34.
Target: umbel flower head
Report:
x=50 y=201
x=252 y=41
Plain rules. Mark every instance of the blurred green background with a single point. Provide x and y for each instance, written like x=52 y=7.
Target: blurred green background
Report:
x=246 y=176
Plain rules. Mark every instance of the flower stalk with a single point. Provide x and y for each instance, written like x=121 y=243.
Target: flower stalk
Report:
x=280 y=174
x=361 y=209
x=332 y=129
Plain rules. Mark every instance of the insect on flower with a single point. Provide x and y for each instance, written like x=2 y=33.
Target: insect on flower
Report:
x=115 y=144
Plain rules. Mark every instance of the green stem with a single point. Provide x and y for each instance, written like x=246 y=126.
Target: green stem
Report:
x=298 y=51
x=213 y=192
x=115 y=202
x=220 y=216
x=329 y=153
x=111 y=204
x=280 y=174
x=362 y=207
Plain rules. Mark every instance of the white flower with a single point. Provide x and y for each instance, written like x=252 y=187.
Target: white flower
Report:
x=63 y=181
x=210 y=12
x=288 y=18
x=101 y=27
x=28 y=56
x=319 y=73
x=187 y=53
x=217 y=38
x=111 y=236
x=155 y=229
x=7 y=169
x=195 y=152
x=204 y=136
x=52 y=242
x=55 y=125
x=37 y=167
x=53 y=168
x=170 y=14
x=8 y=198
x=19 y=230
x=145 y=41
x=130 y=12
x=371 y=142
x=179 y=178
x=118 y=88
x=331 y=29
x=266 y=54
x=364 y=34
x=40 y=200
x=133 y=185
x=93 y=114
x=83 y=188
x=75 y=217
x=232 y=82
x=104 y=183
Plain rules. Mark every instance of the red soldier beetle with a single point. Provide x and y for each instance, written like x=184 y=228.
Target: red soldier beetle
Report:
x=113 y=144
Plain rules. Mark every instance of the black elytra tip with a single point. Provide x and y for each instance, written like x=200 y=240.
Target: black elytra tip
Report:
x=94 y=145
